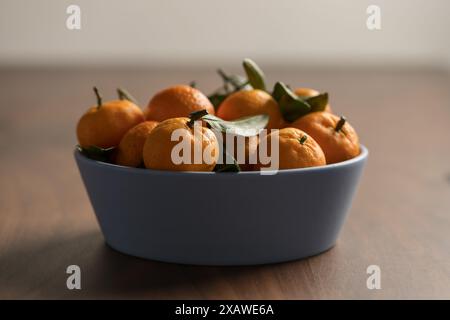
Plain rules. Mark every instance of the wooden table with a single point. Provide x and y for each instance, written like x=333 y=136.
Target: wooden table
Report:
x=400 y=219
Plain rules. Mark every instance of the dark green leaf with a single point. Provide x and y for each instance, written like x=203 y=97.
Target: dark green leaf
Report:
x=217 y=98
x=141 y=165
x=246 y=126
x=291 y=106
x=97 y=153
x=230 y=164
x=125 y=95
x=227 y=168
x=278 y=91
x=317 y=103
x=255 y=75
x=196 y=115
x=292 y=109
x=239 y=82
x=236 y=81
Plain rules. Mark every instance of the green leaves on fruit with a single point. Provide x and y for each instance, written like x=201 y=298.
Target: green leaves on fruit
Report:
x=246 y=126
x=291 y=106
x=97 y=153
x=254 y=74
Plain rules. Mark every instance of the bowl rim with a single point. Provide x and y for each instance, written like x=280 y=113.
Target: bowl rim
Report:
x=364 y=152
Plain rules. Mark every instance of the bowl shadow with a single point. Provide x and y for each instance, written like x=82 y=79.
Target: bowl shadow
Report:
x=38 y=270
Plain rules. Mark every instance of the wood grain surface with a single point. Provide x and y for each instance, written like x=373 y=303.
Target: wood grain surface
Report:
x=400 y=219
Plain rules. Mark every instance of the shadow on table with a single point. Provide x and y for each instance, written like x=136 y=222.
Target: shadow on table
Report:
x=38 y=270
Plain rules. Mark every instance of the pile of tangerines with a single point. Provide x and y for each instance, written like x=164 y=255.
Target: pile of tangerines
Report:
x=308 y=132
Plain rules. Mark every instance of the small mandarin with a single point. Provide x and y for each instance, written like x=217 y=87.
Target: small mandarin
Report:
x=159 y=147
x=335 y=135
x=296 y=150
x=105 y=124
x=250 y=103
x=177 y=101
x=129 y=151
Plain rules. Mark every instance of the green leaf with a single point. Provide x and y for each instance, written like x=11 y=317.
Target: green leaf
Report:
x=125 y=95
x=227 y=168
x=292 y=109
x=279 y=90
x=237 y=83
x=317 y=103
x=97 y=153
x=217 y=98
x=246 y=126
x=230 y=164
x=255 y=75
x=291 y=106
x=196 y=115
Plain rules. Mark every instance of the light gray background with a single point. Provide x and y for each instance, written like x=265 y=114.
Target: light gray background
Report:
x=205 y=32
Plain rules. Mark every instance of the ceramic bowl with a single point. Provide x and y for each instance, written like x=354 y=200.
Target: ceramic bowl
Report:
x=212 y=218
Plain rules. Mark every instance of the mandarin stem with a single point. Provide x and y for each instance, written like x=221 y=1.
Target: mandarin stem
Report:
x=303 y=139
x=340 y=124
x=99 y=97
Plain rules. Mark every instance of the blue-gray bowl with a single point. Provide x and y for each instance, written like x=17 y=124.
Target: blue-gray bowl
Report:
x=221 y=218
